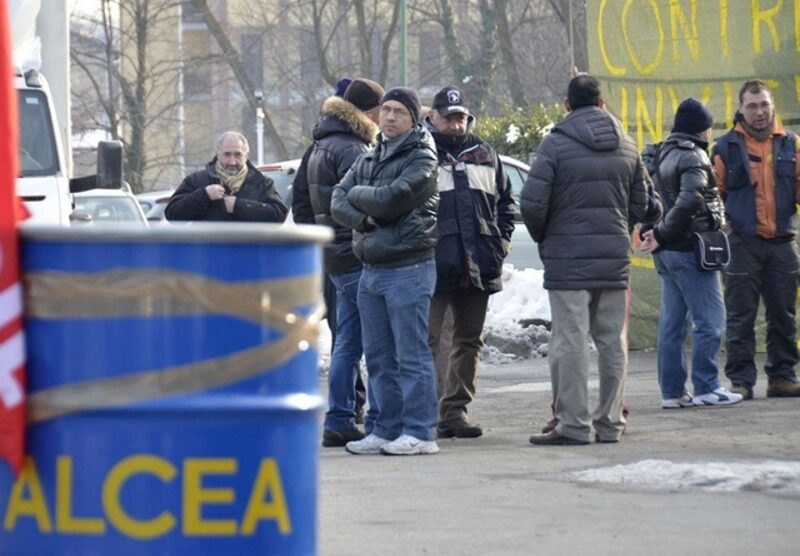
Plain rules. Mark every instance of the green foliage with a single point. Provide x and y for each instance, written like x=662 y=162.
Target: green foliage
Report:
x=532 y=124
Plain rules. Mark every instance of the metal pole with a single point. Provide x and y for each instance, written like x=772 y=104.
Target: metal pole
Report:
x=403 y=42
x=181 y=99
x=260 y=129
x=571 y=40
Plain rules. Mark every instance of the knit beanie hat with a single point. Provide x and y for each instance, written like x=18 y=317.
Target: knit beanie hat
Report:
x=692 y=117
x=341 y=86
x=408 y=98
x=364 y=93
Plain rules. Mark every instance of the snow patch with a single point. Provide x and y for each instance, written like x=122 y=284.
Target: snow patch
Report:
x=517 y=320
x=709 y=476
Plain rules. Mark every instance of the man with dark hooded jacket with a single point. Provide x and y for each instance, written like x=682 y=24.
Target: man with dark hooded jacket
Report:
x=475 y=223
x=389 y=199
x=228 y=189
x=585 y=191
x=346 y=129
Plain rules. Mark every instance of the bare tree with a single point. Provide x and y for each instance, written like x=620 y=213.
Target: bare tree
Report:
x=231 y=55
x=377 y=22
x=508 y=54
x=129 y=82
x=471 y=59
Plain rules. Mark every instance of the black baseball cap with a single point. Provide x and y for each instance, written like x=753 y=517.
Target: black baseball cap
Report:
x=449 y=101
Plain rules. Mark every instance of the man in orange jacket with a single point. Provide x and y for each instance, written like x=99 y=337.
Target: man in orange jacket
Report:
x=758 y=177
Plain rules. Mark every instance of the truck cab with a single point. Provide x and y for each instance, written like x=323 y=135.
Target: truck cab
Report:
x=42 y=183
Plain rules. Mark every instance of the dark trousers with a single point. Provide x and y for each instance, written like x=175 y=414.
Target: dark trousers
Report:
x=765 y=269
x=456 y=374
x=329 y=295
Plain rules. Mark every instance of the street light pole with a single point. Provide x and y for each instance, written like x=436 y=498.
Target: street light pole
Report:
x=403 y=43
x=260 y=128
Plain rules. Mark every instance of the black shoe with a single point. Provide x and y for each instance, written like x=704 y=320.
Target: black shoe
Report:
x=554 y=438
x=458 y=429
x=337 y=439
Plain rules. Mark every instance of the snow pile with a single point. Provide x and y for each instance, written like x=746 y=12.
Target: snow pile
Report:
x=710 y=476
x=517 y=321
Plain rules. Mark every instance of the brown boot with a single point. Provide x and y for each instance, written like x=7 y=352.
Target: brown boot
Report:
x=783 y=388
x=743 y=389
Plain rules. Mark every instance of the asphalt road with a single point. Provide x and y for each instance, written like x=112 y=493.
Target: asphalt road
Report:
x=500 y=495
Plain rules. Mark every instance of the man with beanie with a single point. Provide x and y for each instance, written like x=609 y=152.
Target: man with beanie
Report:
x=475 y=222
x=228 y=189
x=389 y=199
x=691 y=299
x=585 y=191
x=758 y=172
x=347 y=128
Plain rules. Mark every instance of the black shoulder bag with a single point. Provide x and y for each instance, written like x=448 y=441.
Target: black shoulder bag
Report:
x=711 y=250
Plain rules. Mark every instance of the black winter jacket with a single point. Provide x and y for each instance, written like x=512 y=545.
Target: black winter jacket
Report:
x=586 y=189
x=302 y=213
x=475 y=217
x=399 y=192
x=341 y=135
x=685 y=180
x=256 y=201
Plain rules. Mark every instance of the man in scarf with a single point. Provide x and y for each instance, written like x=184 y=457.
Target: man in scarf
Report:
x=229 y=188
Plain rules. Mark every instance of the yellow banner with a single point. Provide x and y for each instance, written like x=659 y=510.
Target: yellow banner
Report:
x=652 y=54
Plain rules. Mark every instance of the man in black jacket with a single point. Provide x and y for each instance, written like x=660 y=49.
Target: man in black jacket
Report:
x=346 y=129
x=389 y=199
x=228 y=189
x=585 y=191
x=685 y=180
x=475 y=221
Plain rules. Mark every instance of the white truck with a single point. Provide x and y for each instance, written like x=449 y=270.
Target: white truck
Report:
x=44 y=183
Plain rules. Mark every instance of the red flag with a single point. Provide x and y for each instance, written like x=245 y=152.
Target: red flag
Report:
x=12 y=351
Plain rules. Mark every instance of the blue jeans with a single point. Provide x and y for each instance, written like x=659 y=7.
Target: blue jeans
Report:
x=394 y=305
x=688 y=297
x=346 y=355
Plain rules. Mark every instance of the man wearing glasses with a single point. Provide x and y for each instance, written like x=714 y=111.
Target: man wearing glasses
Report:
x=389 y=198
x=758 y=176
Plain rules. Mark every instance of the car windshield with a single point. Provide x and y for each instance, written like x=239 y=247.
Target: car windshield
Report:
x=109 y=209
x=37 y=145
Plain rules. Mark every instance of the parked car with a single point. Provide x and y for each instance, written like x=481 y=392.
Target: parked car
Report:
x=153 y=203
x=524 y=251
x=107 y=206
x=283 y=174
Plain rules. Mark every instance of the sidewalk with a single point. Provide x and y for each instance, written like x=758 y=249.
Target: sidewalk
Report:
x=499 y=495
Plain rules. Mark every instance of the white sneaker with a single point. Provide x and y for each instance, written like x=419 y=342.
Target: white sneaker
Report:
x=720 y=396
x=407 y=445
x=677 y=403
x=370 y=444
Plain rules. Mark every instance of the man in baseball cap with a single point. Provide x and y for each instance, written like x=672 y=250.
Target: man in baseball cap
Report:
x=474 y=194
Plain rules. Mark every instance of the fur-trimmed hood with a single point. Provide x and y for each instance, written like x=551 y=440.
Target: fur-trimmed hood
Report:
x=340 y=116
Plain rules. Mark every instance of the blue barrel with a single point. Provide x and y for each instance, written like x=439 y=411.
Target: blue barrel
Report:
x=173 y=394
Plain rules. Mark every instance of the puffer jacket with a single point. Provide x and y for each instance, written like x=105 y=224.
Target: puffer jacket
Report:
x=341 y=135
x=256 y=201
x=685 y=180
x=586 y=188
x=400 y=193
x=476 y=215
